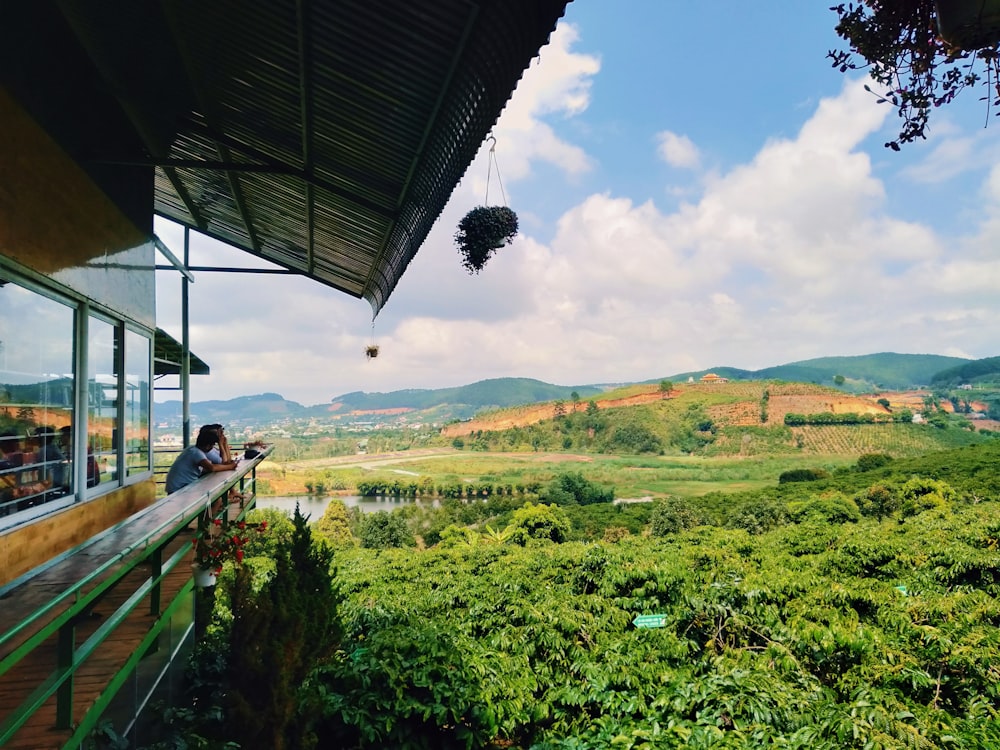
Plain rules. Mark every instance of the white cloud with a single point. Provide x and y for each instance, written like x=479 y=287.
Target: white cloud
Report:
x=791 y=255
x=558 y=83
x=677 y=150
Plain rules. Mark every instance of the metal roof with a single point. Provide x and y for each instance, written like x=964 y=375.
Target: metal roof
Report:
x=322 y=135
x=168 y=353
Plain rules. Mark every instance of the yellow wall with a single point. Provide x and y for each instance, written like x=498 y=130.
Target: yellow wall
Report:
x=28 y=546
x=56 y=221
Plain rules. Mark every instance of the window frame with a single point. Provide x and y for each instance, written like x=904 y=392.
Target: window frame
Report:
x=82 y=309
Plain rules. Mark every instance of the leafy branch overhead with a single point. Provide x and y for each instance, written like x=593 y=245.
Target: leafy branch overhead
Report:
x=922 y=52
x=483 y=231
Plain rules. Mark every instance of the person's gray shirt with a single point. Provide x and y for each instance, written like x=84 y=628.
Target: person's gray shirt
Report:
x=185 y=468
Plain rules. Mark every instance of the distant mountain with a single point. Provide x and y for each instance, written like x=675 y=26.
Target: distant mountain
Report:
x=886 y=370
x=484 y=394
x=432 y=405
x=977 y=369
x=264 y=407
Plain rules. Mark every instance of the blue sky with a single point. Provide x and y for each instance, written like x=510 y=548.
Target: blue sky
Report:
x=696 y=186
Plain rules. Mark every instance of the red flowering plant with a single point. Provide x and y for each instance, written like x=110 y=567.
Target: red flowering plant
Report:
x=220 y=544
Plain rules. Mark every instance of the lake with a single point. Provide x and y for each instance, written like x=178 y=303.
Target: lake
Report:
x=314 y=506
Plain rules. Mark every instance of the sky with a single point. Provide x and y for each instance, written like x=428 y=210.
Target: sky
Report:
x=696 y=186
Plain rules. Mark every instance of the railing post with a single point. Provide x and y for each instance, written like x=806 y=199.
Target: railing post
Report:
x=156 y=560
x=64 y=662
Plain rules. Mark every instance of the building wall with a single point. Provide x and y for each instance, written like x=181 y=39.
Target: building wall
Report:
x=55 y=221
x=60 y=230
x=26 y=547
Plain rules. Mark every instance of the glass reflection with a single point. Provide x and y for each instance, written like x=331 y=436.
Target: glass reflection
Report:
x=138 y=349
x=36 y=398
x=102 y=402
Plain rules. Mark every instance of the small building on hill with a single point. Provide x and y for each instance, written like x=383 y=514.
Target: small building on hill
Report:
x=711 y=377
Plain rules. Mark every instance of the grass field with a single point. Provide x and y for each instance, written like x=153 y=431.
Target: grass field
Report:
x=631 y=476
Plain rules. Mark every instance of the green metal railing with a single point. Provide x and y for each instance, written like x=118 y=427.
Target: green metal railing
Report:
x=58 y=618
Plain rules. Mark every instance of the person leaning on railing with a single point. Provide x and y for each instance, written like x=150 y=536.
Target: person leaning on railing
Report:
x=221 y=454
x=193 y=462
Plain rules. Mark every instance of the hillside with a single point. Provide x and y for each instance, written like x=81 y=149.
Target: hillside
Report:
x=264 y=408
x=978 y=370
x=493 y=393
x=742 y=418
x=869 y=372
x=438 y=405
x=862 y=375
x=735 y=404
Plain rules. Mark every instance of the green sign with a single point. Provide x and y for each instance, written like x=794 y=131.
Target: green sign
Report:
x=650 y=621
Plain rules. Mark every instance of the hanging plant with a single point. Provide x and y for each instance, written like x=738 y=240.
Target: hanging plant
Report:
x=921 y=53
x=483 y=231
x=371 y=351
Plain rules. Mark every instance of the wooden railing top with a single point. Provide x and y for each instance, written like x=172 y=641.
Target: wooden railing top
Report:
x=61 y=587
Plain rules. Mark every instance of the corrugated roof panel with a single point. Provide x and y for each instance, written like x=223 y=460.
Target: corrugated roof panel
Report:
x=377 y=108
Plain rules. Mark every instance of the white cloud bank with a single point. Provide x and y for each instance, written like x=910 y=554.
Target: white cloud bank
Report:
x=789 y=256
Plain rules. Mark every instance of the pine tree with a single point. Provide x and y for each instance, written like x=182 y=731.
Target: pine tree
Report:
x=278 y=636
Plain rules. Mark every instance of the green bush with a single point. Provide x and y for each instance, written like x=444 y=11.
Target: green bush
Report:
x=871 y=461
x=633 y=438
x=335 y=525
x=673 y=515
x=802 y=475
x=834 y=508
x=575 y=489
x=879 y=500
x=758 y=516
x=920 y=494
x=532 y=521
x=382 y=530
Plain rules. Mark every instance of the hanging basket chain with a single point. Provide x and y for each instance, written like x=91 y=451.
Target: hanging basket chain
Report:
x=371 y=351
x=485 y=229
x=490 y=165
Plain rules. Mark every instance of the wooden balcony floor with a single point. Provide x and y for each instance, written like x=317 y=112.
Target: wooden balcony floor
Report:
x=39 y=733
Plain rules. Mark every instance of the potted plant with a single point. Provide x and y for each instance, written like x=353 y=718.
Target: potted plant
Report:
x=483 y=231
x=924 y=52
x=218 y=545
x=253 y=448
x=371 y=351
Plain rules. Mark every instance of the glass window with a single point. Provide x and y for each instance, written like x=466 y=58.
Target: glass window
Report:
x=102 y=402
x=36 y=398
x=138 y=356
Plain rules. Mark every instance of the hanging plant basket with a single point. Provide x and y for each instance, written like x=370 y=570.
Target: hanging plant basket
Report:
x=483 y=231
x=371 y=351
x=203 y=577
x=921 y=54
x=969 y=24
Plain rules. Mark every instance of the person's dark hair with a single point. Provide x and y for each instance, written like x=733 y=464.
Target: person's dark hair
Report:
x=45 y=433
x=206 y=438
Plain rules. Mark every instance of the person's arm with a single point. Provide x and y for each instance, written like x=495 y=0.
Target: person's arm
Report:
x=224 y=450
x=207 y=466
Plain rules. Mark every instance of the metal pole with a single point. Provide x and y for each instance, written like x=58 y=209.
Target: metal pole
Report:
x=81 y=420
x=186 y=344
